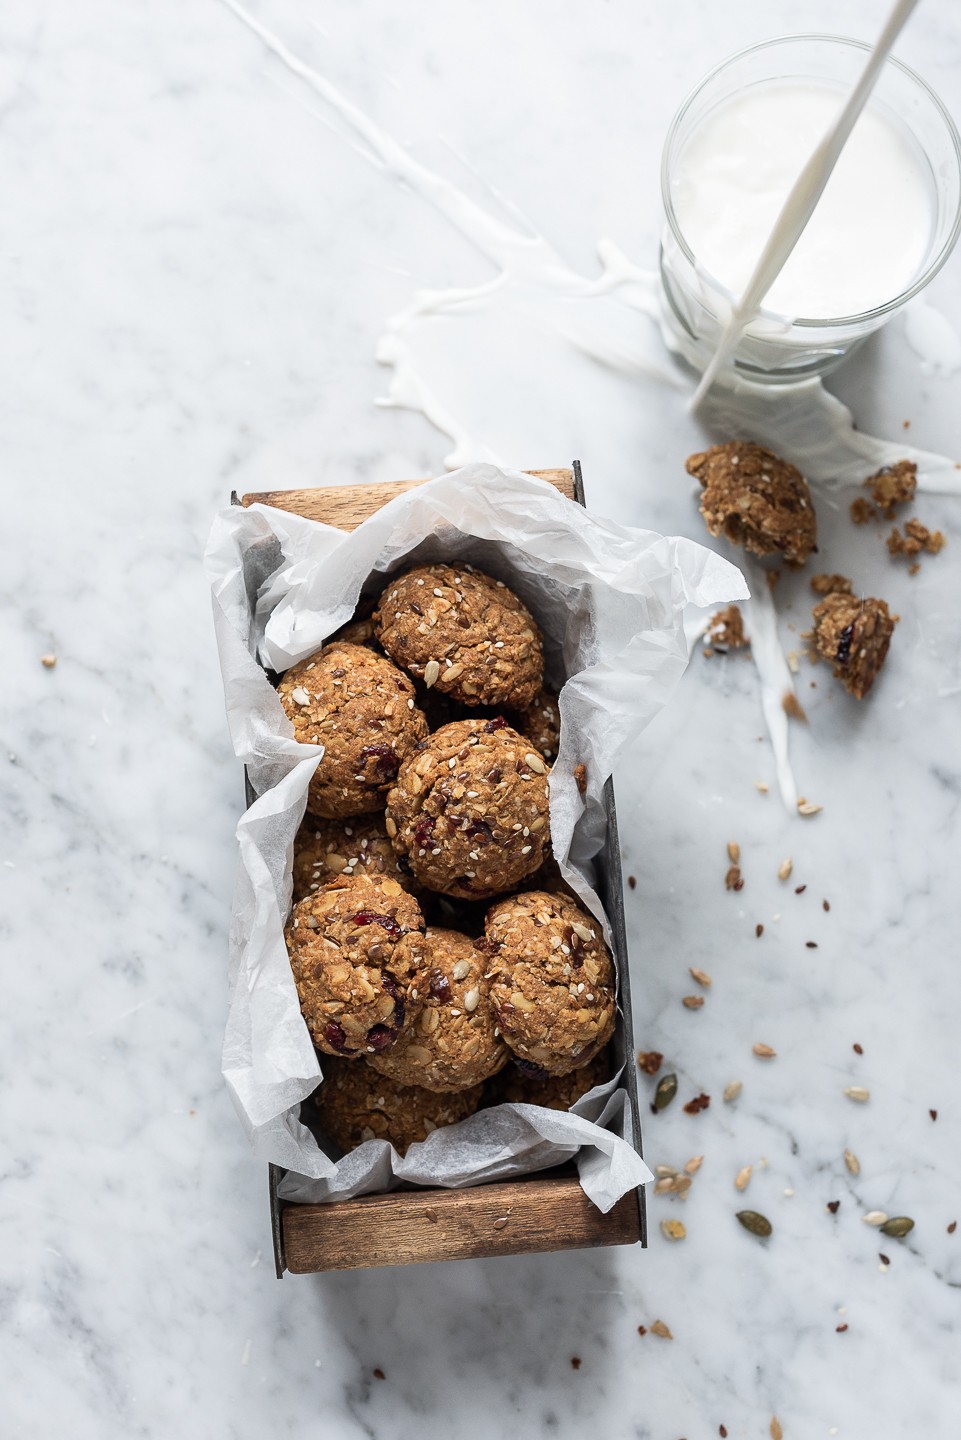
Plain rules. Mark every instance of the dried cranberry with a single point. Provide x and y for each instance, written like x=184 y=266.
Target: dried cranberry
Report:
x=423 y=831
x=844 y=645
x=335 y=1037
x=440 y=987
x=497 y=723
x=532 y=1071
x=371 y=917
x=386 y=761
x=381 y=1037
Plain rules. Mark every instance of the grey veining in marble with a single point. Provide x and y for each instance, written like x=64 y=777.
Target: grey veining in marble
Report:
x=198 y=263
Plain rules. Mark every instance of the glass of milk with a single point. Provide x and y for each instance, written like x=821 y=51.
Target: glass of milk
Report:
x=884 y=226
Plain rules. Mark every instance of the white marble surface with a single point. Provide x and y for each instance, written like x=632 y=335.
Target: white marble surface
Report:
x=198 y=263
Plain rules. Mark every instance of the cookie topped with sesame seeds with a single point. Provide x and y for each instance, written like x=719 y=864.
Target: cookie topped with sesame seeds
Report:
x=465 y=633
x=454 y=1042
x=362 y=709
x=355 y=1104
x=552 y=981
x=756 y=499
x=324 y=849
x=469 y=811
x=541 y=723
x=356 y=952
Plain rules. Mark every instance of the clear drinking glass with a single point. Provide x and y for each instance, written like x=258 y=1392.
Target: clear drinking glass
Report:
x=780 y=348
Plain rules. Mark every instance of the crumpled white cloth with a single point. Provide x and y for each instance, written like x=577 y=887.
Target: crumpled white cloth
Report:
x=611 y=602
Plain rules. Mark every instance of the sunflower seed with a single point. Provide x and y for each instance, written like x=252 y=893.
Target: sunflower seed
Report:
x=742 y=1177
x=858 y=1092
x=898 y=1226
x=701 y=976
x=673 y=1230
x=694 y=1164
x=757 y=1224
x=461 y=970
x=874 y=1217
x=764 y=1052
x=665 y=1172
x=808 y=807
x=784 y=869
x=732 y=1091
x=733 y=852
x=431 y=672
x=852 y=1162
x=693 y=1002
x=659 y=1328
x=535 y=763
x=471 y=1000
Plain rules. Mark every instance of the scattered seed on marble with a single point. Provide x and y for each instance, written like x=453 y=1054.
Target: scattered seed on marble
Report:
x=734 y=852
x=693 y=1002
x=933 y=1114
x=665 y=1171
x=659 y=1328
x=952 y=1227
x=875 y=1217
x=811 y=944
x=757 y=1224
x=800 y=889
x=784 y=869
x=825 y=905
x=694 y=1164
x=858 y=1050
x=665 y=1092
x=858 y=1093
x=884 y=1259
x=852 y=1162
x=834 y=1206
x=808 y=807
x=632 y=882
x=761 y=786
x=742 y=1178
x=898 y=1226
x=759 y=930
x=776 y=1432
x=764 y=1052
x=48 y=661
x=841 y=1328
x=701 y=976
x=732 y=1091
x=673 y=1230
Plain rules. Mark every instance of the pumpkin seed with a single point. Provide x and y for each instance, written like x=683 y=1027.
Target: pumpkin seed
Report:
x=757 y=1224
x=665 y=1092
x=898 y=1226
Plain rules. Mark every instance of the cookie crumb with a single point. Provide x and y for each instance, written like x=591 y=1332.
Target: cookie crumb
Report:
x=792 y=706
x=699 y=1103
x=893 y=485
x=650 y=1061
x=379 y=1374
x=862 y=511
x=917 y=538
x=48 y=661
x=831 y=585
x=726 y=629
x=575 y=1362
x=580 y=777
x=732 y=880
x=632 y=882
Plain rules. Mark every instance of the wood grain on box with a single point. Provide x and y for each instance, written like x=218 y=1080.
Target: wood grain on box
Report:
x=513 y=1217
x=346 y=506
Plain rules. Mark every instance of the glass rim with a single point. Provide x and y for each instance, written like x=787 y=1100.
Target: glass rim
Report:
x=863 y=316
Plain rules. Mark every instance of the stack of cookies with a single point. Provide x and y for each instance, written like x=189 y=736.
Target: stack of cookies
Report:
x=440 y=962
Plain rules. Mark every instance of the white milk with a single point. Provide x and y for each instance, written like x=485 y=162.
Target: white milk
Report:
x=868 y=237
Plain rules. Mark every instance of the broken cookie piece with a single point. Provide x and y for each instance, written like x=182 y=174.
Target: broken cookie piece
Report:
x=726 y=629
x=892 y=486
x=756 y=499
x=916 y=537
x=862 y=511
x=854 y=635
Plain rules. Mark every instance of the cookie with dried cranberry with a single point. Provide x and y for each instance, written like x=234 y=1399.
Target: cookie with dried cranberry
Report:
x=324 y=849
x=469 y=812
x=541 y=723
x=453 y=1044
x=361 y=708
x=465 y=633
x=853 y=633
x=756 y=499
x=356 y=949
x=515 y=1086
x=355 y=1104
x=552 y=980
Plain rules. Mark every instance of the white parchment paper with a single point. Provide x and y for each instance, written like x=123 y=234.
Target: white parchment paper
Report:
x=611 y=603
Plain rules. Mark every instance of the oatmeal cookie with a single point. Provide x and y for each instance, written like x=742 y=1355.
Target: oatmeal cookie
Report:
x=540 y=722
x=557 y=1092
x=361 y=708
x=355 y=1104
x=469 y=811
x=853 y=633
x=459 y=630
x=453 y=1044
x=552 y=980
x=356 y=948
x=756 y=499
x=324 y=849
